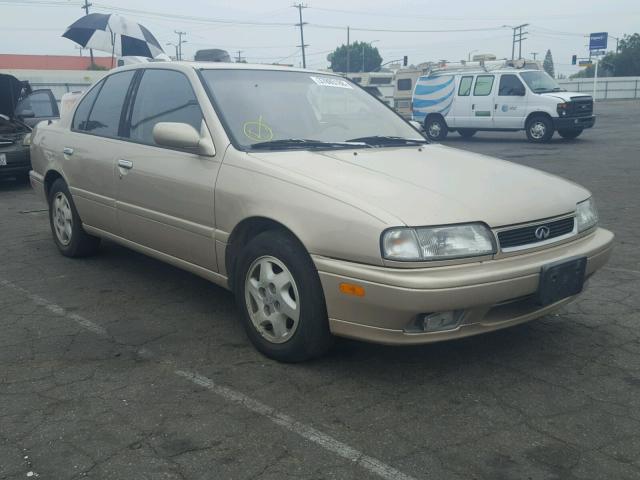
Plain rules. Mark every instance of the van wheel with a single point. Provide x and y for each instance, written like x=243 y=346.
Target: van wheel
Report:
x=66 y=226
x=570 y=134
x=466 y=132
x=279 y=293
x=539 y=129
x=436 y=128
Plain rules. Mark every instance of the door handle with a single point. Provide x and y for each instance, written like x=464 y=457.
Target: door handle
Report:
x=473 y=106
x=125 y=164
x=495 y=107
x=67 y=151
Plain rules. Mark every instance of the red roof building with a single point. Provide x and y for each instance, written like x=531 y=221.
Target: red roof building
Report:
x=50 y=62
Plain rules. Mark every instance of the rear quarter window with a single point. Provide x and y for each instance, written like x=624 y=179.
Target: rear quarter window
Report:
x=84 y=107
x=104 y=117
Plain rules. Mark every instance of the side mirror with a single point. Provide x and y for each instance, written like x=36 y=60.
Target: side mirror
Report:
x=26 y=114
x=183 y=135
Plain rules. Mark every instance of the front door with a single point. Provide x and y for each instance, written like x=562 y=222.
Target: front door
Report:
x=482 y=102
x=510 y=103
x=165 y=198
x=39 y=105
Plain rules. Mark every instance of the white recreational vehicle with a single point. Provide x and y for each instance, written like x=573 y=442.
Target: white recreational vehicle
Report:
x=498 y=96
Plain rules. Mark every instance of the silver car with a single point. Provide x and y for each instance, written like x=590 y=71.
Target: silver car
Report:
x=324 y=211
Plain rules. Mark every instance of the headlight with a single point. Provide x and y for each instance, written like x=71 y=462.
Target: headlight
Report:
x=437 y=243
x=562 y=108
x=586 y=215
x=26 y=141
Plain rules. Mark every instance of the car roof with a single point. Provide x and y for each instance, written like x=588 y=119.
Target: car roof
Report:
x=219 y=66
x=480 y=72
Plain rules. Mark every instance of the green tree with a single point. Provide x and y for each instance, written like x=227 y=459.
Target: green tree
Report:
x=548 y=64
x=357 y=52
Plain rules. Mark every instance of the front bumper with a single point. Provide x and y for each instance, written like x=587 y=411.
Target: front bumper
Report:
x=492 y=294
x=574 y=123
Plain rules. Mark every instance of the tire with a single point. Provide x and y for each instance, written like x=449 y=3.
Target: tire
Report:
x=66 y=226
x=435 y=128
x=466 y=132
x=276 y=281
x=570 y=134
x=539 y=129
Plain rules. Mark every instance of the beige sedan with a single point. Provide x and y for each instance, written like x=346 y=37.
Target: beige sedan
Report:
x=324 y=211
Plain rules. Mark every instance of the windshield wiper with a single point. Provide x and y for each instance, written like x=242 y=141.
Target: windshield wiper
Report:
x=304 y=143
x=388 y=140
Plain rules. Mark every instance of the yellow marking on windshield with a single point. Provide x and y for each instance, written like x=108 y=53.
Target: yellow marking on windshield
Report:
x=258 y=131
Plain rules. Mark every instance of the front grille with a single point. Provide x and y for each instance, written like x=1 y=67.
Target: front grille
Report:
x=580 y=107
x=518 y=237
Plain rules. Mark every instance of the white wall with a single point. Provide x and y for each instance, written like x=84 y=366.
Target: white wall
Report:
x=59 y=81
x=608 y=88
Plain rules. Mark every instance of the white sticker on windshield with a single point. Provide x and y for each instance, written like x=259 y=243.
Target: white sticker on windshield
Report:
x=331 y=82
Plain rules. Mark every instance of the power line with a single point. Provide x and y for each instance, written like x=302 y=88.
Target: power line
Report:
x=518 y=38
x=391 y=30
x=302 y=45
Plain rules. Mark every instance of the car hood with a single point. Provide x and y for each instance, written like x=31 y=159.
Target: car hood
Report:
x=566 y=96
x=11 y=91
x=432 y=185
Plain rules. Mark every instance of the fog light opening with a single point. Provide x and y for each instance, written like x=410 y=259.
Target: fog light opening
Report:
x=439 y=321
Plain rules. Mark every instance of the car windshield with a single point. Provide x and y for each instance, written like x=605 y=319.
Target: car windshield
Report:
x=541 y=82
x=278 y=109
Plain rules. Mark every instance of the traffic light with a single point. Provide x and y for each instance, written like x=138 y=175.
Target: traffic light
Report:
x=574 y=59
x=405 y=61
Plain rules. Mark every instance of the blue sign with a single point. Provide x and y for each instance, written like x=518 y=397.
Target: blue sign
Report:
x=598 y=41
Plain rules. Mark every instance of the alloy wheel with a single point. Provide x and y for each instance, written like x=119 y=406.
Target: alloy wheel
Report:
x=272 y=299
x=62 y=218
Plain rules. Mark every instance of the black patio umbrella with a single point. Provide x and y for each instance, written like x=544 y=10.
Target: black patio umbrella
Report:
x=114 y=34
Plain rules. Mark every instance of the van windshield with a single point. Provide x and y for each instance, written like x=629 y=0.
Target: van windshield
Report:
x=278 y=109
x=541 y=82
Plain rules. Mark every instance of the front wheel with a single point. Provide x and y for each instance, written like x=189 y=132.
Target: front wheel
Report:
x=570 y=134
x=66 y=226
x=539 y=129
x=279 y=293
x=436 y=128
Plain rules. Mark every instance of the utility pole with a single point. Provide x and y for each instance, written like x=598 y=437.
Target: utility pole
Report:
x=180 y=42
x=85 y=7
x=239 y=59
x=302 y=45
x=348 y=52
x=535 y=54
x=518 y=38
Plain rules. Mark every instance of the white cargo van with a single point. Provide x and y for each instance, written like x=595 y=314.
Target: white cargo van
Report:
x=472 y=98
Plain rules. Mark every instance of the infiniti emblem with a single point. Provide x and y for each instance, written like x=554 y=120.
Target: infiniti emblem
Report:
x=542 y=233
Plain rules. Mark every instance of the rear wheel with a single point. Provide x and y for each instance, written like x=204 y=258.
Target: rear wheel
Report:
x=466 y=132
x=279 y=293
x=539 y=129
x=570 y=134
x=436 y=128
x=66 y=226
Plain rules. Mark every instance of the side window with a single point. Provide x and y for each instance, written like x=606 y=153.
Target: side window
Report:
x=163 y=96
x=484 y=85
x=40 y=103
x=104 y=117
x=510 y=86
x=84 y=107
x=464 y=90
x=404 y=84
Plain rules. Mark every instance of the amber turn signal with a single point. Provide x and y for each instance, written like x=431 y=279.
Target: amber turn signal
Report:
x=352 y=289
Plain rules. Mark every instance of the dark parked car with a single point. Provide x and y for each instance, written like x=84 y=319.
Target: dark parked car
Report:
x=20 y=109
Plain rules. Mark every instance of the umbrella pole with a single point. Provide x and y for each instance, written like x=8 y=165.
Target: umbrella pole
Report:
x=113 y=46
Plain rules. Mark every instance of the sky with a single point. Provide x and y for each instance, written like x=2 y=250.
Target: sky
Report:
x=270 y=35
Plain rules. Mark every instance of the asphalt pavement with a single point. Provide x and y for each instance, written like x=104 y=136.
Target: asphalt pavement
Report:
x=121 y=367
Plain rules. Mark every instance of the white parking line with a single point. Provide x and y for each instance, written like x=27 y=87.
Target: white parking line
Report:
x=311 y=434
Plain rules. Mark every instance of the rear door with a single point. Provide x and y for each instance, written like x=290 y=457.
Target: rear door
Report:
x=91 y=149
x=482 y=102
x=165 y=198
x=461 y=114
x=38 y=106
x=510 y=106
